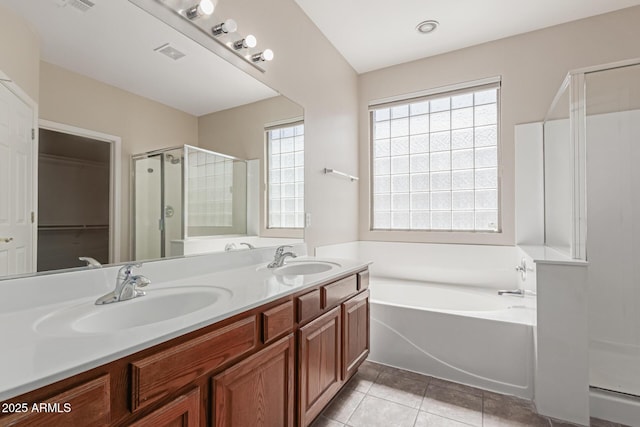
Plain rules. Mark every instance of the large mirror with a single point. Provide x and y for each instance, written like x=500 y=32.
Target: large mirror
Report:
x=136 y=125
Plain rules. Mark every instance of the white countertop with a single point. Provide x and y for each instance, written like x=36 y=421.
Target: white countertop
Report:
x=31 y=358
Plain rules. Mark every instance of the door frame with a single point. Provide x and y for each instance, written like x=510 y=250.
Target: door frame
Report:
x=115 y=177
x=13 y=87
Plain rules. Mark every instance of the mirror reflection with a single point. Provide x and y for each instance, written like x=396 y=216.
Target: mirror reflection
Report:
x=137 y=154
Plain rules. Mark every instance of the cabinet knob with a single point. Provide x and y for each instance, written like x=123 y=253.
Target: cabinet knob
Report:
x=6 y=239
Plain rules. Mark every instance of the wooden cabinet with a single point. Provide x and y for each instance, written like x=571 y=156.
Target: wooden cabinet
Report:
x=332 y=347
x=355 y=343
x=276 y=365
x=85 y=404
x=259 y=391
x=181 y=412
x=319 y=363
x=156 y=376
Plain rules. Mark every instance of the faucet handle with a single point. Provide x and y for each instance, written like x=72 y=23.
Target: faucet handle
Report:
x=125 y=270
x=141 y=281
x=280 y=250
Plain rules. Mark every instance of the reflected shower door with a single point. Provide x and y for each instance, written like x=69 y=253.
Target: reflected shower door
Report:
x=148 y=208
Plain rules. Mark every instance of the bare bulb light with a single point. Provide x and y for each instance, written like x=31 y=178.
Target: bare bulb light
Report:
x=247 y=42
x=204 y=7
x=266 y=55
x=228 y=26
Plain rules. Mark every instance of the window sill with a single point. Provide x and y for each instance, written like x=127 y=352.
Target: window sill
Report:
x=449 y=237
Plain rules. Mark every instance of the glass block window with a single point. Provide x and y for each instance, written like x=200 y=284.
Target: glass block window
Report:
x=285 y=192
x=435 y=162
x=209 y=189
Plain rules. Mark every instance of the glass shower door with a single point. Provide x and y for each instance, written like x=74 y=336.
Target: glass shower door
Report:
x=613 y=230
x=148 y=207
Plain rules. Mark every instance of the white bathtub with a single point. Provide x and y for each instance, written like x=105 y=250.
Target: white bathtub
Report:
x=460 y=333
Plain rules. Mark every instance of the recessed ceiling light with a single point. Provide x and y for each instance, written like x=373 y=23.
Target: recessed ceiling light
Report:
x=426 y=27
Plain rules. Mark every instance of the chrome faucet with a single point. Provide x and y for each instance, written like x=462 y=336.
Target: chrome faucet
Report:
x=91 y=262
x=127 y=285
x=249 y=245
x=280 y=256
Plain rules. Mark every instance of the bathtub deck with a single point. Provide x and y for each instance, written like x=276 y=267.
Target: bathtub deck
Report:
x=382 y=396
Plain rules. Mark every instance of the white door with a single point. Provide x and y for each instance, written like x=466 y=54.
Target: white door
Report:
x=16 y=185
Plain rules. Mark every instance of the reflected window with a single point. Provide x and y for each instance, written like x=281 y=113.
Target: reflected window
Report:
x=285 y=174
x=435 y=162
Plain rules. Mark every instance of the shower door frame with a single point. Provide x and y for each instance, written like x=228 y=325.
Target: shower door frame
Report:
x=160 y=152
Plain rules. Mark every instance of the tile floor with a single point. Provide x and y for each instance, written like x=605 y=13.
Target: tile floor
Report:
x=381 y=396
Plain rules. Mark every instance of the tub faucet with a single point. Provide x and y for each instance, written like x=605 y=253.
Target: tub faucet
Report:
x=91 y=262
x=518 y=292
x=126 y=286
x=280 y=256
x=248 y=245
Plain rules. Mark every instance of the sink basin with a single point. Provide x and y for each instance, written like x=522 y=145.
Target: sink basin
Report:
x=157 y=306
x=302 y=268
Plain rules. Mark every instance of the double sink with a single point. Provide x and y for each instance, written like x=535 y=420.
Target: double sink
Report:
x=158 y=305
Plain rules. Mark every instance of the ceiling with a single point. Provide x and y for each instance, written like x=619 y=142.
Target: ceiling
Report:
x=114 y=42
x=373 y=34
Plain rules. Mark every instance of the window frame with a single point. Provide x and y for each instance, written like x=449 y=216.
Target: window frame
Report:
x=268 y=228
x=439 y=235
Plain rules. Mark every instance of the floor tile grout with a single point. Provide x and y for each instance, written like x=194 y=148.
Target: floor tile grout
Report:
x=408 y=378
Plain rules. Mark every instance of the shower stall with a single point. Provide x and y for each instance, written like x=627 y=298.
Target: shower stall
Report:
x=183 y=192
x=592 y=210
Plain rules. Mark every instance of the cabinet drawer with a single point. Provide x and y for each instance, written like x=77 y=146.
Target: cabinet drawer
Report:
x=309 y=305
x=363 y=280
x=156 y=376
x=181 y=412
x=335 y=292
x=277 y=321
x=87 y=404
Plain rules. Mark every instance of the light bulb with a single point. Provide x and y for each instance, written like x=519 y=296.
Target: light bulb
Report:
x=250 y=41
x=266 y=55
x=247 y=42
x=204 y=7
x=228 y=26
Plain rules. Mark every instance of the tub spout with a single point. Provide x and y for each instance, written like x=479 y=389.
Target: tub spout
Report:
x=518 y=292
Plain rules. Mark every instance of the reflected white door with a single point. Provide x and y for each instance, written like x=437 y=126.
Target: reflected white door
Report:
x=16 y=185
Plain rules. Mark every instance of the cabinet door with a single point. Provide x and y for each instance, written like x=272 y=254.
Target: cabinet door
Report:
x=319 y=363
x=181 y=412
x=355 y=347
x=258 y=391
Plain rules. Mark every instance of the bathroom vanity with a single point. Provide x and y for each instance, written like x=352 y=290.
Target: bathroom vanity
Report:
x=272 y=358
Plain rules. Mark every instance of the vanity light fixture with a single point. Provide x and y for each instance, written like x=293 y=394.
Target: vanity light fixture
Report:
x=196 y=19
x=204 y=7
x=246 y=43
x=228 y=26
x=266 y=55
x=428 y=26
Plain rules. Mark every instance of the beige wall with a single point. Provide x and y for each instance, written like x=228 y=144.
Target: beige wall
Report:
x=20 y=61
x=532 y=67
x=239 y=132
x=73 y=99
x=310 y=71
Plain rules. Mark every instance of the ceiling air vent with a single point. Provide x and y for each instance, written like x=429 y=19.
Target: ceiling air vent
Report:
x=81 y=5
x=170 y=51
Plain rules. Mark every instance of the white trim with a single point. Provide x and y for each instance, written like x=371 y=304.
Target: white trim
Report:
x=615 y=407
x=6 y=81
x=436 y=90
x=116 y=177
x=284 y=122
x=608 y=66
